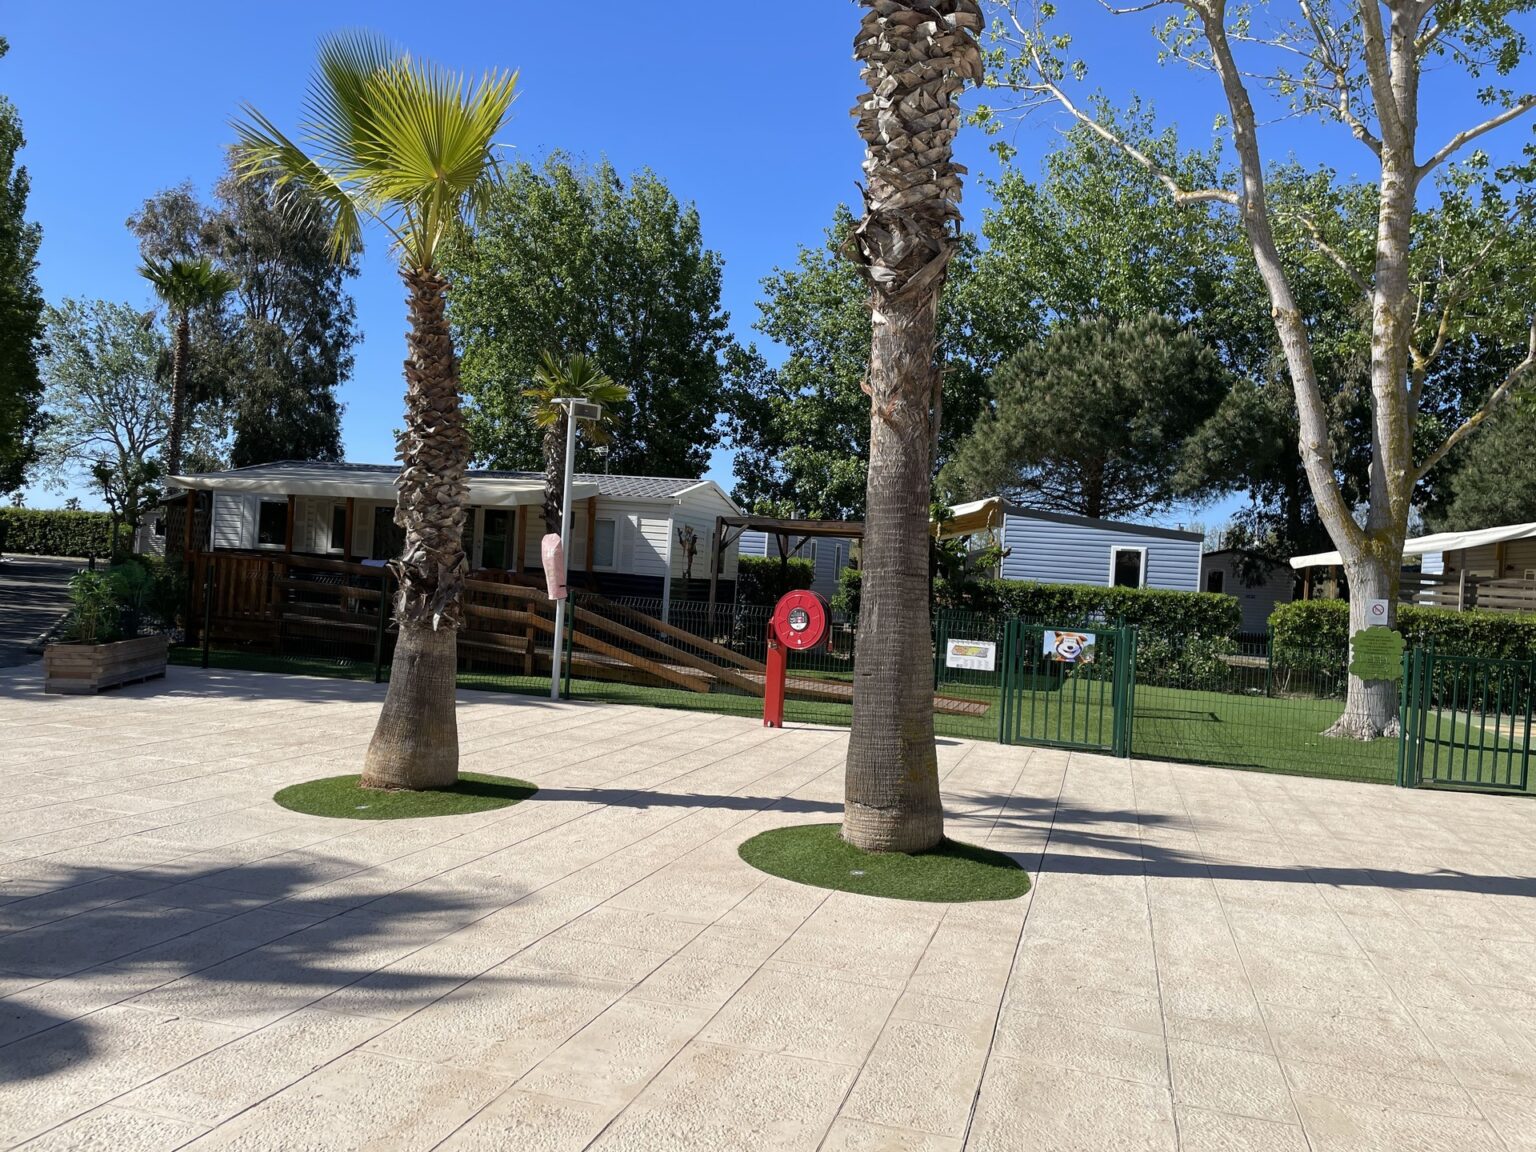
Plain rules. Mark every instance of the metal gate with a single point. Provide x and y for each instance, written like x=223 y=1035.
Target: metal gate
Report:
x=1466 y=722
x=1068 y=687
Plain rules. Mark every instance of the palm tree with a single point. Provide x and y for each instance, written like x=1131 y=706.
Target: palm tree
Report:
x=917 y=55
x=577 y=376
x=411 y=147
x=184 y=286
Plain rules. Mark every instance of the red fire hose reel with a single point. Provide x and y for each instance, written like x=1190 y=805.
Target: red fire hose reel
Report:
x=799 y=622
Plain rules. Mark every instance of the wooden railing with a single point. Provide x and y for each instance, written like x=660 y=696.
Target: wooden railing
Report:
x=1461 y=592
x=287 y=604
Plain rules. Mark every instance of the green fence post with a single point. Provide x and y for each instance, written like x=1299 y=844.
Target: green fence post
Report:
x=1269 y=662
x=378 y=636
x=569 y=643
x=1003 y=680
x=1405 y=718
x=207 y=609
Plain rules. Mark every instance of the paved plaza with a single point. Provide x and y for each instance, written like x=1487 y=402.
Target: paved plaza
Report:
x=1210 y=960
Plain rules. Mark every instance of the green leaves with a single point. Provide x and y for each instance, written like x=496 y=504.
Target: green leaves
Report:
x=390 y=138
x=576 y=259
x=186 y=285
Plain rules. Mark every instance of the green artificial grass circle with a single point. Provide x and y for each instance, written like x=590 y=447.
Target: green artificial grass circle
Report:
x=952 y=873
x=340 y=797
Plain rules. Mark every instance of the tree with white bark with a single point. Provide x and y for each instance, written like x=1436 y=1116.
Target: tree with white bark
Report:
x=1357 y=66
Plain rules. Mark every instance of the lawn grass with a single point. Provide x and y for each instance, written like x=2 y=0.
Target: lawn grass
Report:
x=1263 y=733
x=953 y=873
x=339 y=797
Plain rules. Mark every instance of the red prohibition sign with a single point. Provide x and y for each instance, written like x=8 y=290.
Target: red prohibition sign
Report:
x=800 y=620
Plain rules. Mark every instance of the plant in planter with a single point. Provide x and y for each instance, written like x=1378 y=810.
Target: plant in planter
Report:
x=105 y=646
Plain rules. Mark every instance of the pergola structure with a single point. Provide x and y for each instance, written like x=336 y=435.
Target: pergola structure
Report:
x=784 y=531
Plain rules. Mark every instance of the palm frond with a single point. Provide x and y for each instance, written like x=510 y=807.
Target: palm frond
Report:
x=185 y=285
x=399 y=140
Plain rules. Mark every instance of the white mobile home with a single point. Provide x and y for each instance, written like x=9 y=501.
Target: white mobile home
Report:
x=642 y=536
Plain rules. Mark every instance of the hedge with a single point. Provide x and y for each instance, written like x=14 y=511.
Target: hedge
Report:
x=1325 y=624
x=1156 y=611
x=761 y=579
x=56 y=532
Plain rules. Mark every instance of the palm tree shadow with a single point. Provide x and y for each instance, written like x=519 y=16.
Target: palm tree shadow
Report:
x=177 y=931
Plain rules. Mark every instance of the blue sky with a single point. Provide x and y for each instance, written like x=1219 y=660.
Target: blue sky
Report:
x=742 y=109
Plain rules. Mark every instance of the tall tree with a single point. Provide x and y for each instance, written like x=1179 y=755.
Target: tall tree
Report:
x=184 y=286
x=21 y=308
x=412 y=147
x=1495 y=482
x=276 y=355
x=1358 y=65
x=1094 y=421
x=801 y=429
x=575 y=377
x=917 y=57
x=295 y=325
x=108 y=405
x=581 y=260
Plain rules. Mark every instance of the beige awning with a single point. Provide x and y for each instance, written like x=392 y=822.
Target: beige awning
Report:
x=365 y=484
x=1435 y=543
x=969 y=519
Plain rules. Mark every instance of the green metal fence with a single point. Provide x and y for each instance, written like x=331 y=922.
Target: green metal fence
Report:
x=1068 y=687
x=1466 y=722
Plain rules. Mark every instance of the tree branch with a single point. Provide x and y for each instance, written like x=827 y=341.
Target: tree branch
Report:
x=1516 y=377
x=1462 y=139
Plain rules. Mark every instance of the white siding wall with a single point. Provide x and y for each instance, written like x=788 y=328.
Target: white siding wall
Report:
x=1258 y=602
x=234 y=519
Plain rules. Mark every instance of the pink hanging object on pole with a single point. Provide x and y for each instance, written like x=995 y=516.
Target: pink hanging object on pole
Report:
x=553 y=553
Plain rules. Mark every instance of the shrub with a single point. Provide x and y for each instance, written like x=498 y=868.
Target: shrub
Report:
x=119 y=602
x=763 y=579
x=1156 y=611
x=1324 y=625
x=846 y=600
x=58 y=532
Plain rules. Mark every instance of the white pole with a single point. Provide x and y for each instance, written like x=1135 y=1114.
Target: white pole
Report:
x=565 y=548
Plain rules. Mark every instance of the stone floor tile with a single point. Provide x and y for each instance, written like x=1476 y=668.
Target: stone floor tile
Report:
x=610 y=1060
x=692 y=982
x=505 y=1021
x=920 y=1076
x=115 y=1129
x=68 y=1070
x=1040 y=1107
x=857 y=1136
x=1230 y=1080
x=1201 y=1130
x=1512 y=1117
x=1082 y=1046
x=715 y=1098
x=1346 y=1126
x=522 y=1122
x=803 y=1013
x=394 y=1106
x=1388 y=1043
x=230 y=1079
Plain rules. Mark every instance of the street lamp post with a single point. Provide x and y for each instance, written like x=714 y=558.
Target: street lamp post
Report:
x=575 y=409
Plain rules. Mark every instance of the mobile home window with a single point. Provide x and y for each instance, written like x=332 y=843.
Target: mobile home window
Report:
x=160 y=526
x=1216 y=582
x=388 y=537
x=493 y=544
x=604 y=534
x=272 y=524
x=339 y=528
x=1127 y=567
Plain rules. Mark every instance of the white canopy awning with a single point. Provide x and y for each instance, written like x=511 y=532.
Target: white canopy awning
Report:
x=1434 y=543
x=968 y=519
x=365 y=484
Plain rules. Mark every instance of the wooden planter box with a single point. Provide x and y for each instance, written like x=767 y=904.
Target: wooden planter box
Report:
x=85 y=668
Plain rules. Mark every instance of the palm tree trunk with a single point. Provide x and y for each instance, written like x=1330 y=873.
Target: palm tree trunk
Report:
x=891 y=789
x=554 y=472
x=416 y=743
x=180 y=350
x=917 y=57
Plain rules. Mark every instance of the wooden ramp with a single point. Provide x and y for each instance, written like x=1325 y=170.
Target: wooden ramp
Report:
x=302 y=605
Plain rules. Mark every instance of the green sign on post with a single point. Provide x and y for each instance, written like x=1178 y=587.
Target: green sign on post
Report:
x=1377 y=654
